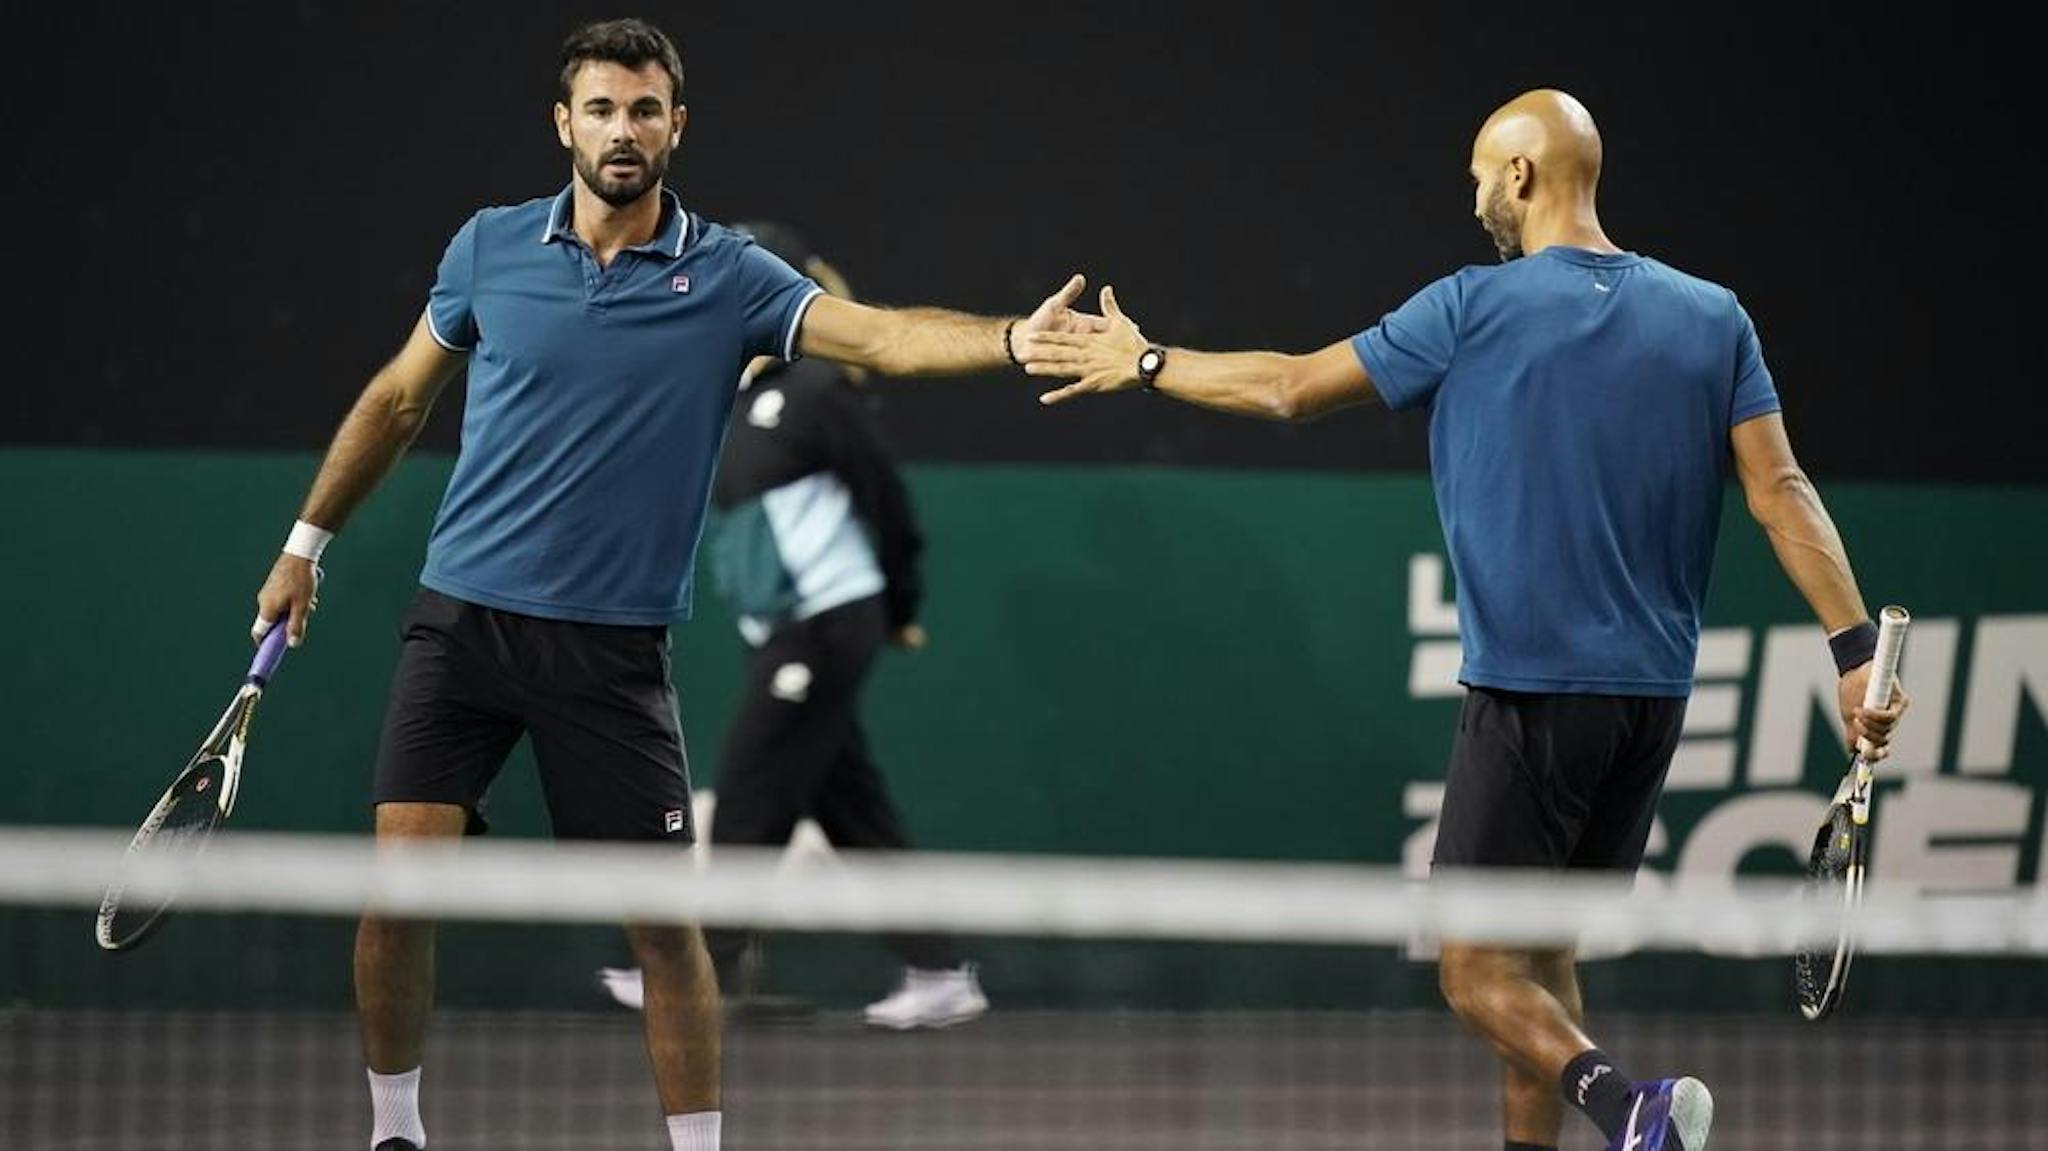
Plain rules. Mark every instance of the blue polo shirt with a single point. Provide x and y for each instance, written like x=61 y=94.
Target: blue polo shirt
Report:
x=1579 y=411
x=598 y=399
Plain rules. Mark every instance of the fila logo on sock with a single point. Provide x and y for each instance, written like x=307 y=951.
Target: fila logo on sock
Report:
x=1586 y=1080
x=672 y=821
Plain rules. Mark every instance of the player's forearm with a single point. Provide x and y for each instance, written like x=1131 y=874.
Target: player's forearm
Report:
x=1809 y=549
x=377 y=430
x=937 y=342
x=1244 y=383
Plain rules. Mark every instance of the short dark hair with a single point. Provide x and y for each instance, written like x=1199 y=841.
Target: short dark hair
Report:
x=631 y=42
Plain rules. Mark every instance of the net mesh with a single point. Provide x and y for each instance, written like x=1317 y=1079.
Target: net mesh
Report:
x=1137 y=1004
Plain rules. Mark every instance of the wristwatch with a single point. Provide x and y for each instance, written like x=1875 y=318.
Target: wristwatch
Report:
x=1150 y=363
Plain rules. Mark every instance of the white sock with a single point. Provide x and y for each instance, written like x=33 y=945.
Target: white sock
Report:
x=697 y=1131
x=396 y=1099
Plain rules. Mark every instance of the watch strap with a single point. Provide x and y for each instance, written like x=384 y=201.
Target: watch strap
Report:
x=1156 y=356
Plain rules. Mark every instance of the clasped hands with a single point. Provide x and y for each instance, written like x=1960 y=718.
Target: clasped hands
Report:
x=1099 y=353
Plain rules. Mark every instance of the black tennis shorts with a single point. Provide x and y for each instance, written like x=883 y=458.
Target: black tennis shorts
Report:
x=595 y=698
x=1555 y=781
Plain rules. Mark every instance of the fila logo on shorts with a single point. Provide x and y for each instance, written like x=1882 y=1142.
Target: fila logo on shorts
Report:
x=672 y=821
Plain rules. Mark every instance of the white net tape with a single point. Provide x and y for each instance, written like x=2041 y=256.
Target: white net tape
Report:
x=1042 y=896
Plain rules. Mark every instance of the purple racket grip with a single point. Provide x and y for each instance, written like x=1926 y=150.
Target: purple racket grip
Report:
x=270 y=653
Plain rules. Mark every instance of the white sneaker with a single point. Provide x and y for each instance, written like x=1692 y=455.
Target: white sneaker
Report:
x=623 y=984
x=931 y=999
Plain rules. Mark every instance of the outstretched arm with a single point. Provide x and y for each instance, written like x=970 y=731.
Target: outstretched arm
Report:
x=930 y=341
x=1270 y=385
x=382 y=424
x=1784 y=503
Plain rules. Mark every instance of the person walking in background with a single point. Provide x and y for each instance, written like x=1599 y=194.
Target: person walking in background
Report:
x=815 y=547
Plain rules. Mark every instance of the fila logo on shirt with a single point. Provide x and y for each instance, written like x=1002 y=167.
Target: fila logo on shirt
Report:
x=680 y=285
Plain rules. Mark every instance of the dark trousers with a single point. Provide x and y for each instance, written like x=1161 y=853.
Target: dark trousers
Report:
x=796 y=749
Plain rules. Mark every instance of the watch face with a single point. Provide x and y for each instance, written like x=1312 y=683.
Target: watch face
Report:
x=1149 y=362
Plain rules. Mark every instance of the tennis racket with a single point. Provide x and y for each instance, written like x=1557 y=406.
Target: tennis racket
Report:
x=191 y=809
x=1841 y=847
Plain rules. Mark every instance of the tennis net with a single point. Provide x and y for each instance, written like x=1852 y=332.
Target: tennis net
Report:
x=1137 y=1003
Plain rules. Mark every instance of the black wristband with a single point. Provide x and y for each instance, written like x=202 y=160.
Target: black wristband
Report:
x=1007 y=349
x=1853 y=647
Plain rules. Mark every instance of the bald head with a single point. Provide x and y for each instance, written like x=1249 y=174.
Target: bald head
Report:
x=1548 y=127
x=1540 y=153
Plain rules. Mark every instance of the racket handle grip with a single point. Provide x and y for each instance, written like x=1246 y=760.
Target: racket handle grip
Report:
x=269 y=653
x=1884 y=665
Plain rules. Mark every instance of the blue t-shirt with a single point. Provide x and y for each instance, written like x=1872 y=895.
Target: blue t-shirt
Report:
x=598 y=400
x=1580 y=406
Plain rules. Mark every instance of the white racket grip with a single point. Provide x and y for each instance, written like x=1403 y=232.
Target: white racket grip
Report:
x=1884 y=665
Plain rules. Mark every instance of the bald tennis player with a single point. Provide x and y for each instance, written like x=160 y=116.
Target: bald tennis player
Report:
x=1587 y=405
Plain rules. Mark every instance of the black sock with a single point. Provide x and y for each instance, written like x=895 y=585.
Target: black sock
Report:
x=1593 y=1084
x=1514 y=1146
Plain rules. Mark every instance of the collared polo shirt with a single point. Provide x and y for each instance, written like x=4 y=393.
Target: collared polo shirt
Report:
x=597 y=405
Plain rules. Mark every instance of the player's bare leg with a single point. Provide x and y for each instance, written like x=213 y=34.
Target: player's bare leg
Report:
x=681 y=1008
x=1498 y=993
x=1526 y=1004
x=1531 y=1105
x=395 y=957
x=394 y=970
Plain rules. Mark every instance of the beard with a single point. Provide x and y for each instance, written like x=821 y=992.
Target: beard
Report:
x=616 y=191
x=1500 y=223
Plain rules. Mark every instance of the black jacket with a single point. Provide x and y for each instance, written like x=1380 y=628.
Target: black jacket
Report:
x=796 y=427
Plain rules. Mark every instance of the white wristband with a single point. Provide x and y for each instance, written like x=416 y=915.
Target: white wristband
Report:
x=307 y=541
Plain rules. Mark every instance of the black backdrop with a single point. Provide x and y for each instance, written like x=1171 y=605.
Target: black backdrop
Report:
x=223 y=218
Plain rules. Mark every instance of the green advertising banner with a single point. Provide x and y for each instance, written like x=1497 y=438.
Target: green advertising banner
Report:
x=1124 y=661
